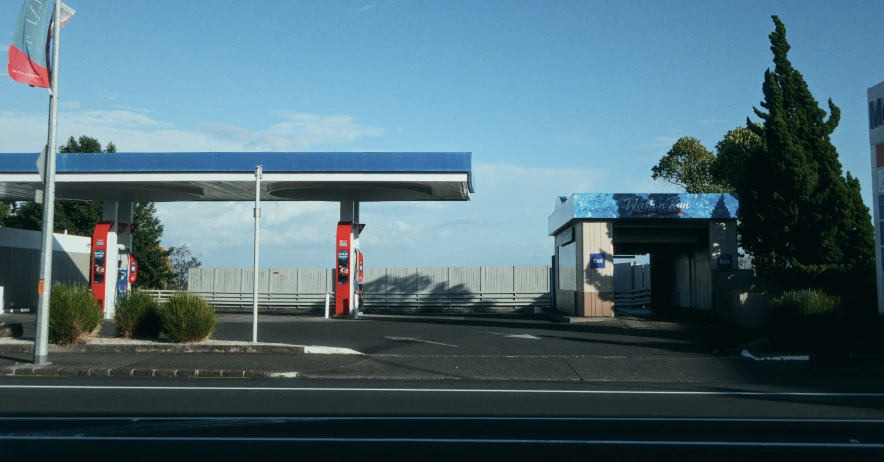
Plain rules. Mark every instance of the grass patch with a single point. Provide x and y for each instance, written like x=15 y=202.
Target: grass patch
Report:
x=796 y=305
x=187 y=318
x=806 y=320
x=137 y=316
x=73 y=314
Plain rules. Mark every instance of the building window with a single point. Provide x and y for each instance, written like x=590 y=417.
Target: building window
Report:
x=568 y=266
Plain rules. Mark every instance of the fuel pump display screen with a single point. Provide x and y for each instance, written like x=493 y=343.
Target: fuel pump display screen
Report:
x=98 y=270
x=343 y=266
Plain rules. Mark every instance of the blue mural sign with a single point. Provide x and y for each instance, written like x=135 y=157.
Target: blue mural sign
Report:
x=658 y=206
x=725 y=261
x=707 y=206
x=596 y=260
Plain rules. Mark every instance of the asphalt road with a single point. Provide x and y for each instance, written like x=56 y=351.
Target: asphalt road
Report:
x=485 y=335
x=374 y=420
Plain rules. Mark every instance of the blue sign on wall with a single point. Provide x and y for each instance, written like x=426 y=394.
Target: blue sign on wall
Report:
x=725 y=261
x=596 y=260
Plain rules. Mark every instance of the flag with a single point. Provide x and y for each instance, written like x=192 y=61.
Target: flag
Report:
x=28 y=53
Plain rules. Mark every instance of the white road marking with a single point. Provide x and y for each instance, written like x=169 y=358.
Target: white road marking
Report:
x=529 y=336
x=325 y=350
x=789 y=444
x=450 y=390
x=501 y=418
x=413 y=339
x=284 y=375
x=746 y=354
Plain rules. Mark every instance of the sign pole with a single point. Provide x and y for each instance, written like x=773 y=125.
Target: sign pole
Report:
x=41 y=343
x=258 y=172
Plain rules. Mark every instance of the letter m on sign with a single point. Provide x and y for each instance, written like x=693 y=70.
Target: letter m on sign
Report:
x=876 y=113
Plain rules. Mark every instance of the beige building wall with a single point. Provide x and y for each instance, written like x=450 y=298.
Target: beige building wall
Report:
x=595 y=288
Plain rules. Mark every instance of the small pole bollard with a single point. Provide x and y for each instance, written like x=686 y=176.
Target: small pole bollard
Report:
x=326 y=305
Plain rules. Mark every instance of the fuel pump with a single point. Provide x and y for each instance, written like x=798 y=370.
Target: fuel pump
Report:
x=114 y=268
x=349 y=268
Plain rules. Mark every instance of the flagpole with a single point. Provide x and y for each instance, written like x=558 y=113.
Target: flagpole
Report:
x=41 y=340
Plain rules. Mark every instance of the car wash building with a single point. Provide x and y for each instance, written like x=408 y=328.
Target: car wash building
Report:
x=689 y=237
x=876 y=139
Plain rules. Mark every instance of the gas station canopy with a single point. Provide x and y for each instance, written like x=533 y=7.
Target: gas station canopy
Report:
x=230 y=176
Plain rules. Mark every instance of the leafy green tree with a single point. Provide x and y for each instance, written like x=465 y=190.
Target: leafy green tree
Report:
x=800 y=219
x=732 y=155
x=688 y=165
x=5 y=208
x=182 y=261
x=697 y=170
x=154 y=267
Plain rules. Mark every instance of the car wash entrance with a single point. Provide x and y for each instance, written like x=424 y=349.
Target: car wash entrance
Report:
x=688 y=236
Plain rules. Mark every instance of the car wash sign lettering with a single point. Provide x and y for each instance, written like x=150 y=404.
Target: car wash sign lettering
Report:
x=643 y=207
x=652 y=206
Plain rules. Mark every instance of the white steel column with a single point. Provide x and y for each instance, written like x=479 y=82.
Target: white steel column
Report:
x=126 y=214
x=258 y=173
x=110 y=212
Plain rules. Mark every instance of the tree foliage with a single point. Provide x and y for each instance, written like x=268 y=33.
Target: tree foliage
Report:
x=182 y=260
x=688 y=165
x=803 y=222
x=5 y=208
x=696 y=169
x=154 y=267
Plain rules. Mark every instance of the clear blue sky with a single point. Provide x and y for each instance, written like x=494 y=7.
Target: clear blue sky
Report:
x=551 y=98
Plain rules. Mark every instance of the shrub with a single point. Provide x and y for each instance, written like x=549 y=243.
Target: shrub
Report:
x=187 y=318
x=137 y=315
x=800 y=307
x=73 y=313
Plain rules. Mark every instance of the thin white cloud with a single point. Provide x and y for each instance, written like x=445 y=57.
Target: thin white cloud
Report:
x=364 y=8
x=296 y=132
x=73 y=105
x=577 y=138
x=135 y=130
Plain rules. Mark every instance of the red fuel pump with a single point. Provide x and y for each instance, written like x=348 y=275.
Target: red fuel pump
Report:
x=349 y=268
x=343 y=243
x=99 y=274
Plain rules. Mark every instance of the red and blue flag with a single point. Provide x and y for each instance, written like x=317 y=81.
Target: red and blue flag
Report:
x=28 y=53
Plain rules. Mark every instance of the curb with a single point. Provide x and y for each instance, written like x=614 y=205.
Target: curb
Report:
x=159 y=348
x=51 y=371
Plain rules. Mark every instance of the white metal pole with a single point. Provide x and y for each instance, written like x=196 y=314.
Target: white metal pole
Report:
x=327 y=302
x=258 y=172
x=41 y=339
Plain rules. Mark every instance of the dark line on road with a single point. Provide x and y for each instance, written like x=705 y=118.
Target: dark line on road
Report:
x=572 y=369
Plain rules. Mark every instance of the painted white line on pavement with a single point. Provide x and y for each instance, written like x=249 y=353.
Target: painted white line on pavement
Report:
x=746 y=354
x=784 y=444
x=325 y=350
x=528 y=336
x=413 y=339
x=283 y=375
x=502 y=418
x=451 y=390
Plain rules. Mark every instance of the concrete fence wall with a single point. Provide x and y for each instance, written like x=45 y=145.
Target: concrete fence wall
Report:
x=445 y=288
x=456 y=280
x=20 y=264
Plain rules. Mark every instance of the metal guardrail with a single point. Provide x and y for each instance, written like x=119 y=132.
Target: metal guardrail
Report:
x=379 y=301
x=632 y=298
